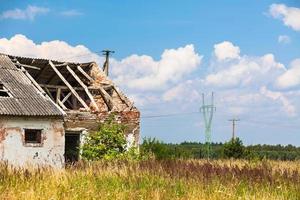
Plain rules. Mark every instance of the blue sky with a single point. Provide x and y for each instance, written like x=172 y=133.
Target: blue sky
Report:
x=169 y=52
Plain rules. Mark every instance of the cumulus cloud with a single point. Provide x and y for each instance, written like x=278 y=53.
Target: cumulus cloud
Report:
x=226 y=50
x=291 y=77
x=245 y=71
x=145 y=73
x=278 y=96
x=284 y=39
x=241 y=82
x=185 y=91
x=137 y=72
x=28 y=13
x=59 y=50
x=289 y=15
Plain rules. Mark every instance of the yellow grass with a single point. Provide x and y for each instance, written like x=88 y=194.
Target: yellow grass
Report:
x=192 y=179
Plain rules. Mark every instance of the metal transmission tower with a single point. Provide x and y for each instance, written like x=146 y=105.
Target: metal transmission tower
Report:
x=106 y=52
x=233 y=126
x=208 y=111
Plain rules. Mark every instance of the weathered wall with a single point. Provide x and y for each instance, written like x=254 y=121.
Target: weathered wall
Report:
x=14 y=150
x=80 y=120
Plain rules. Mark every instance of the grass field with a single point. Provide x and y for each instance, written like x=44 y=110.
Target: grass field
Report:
x=174 y=179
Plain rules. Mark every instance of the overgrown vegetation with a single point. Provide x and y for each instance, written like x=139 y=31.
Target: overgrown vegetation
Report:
x=160 y=171
x=106 y=143
x=153 y=179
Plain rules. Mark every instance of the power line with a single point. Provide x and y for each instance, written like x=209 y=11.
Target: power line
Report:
x=168 y=115
x=81 y=55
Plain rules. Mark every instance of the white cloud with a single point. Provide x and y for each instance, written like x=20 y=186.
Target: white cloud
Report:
x=278 y=96
x=289 y=15
x=240 y=84
x=71 y=13
x=284 y=39
x=184 y=91
x=20 y=45
x=29 y=13
x=226 y=50
x=245 y=71
x=291 y=77
x=144 y=73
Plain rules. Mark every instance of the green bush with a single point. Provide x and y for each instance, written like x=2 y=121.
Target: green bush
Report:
x=234 y=149
x=152 y=147
x=106 y=143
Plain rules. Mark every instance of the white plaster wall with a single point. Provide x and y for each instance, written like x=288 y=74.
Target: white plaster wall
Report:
x=17 y=153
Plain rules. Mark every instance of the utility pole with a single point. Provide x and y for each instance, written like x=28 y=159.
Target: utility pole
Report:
x=208 y=111
x=107 y=53
x=234 y=120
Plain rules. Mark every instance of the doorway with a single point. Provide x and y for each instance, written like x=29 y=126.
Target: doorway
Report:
x=72 y=144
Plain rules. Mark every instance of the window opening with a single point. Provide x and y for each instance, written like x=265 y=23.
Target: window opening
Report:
x=33 y=136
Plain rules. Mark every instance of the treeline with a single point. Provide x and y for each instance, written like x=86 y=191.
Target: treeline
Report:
x=236 y=149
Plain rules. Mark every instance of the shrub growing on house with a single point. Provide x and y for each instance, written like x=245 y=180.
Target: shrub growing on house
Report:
x=106 y=143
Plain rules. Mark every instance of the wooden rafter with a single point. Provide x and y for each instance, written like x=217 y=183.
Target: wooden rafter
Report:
x=49 y=93
x=107 y=98
x=66 y=97
x=33 y=81
x=67 y=100
x=62 y=105
x=69 y=86
x=85 y=74
x=62 y=87
x=58 y=94
x=60 y=65
x=27 y=66
x=84 y=87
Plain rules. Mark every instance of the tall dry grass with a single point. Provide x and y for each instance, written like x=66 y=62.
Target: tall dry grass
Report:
x=151 y=179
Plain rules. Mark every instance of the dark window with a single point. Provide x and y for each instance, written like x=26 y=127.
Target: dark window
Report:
x=3 y=91
x=33 y=136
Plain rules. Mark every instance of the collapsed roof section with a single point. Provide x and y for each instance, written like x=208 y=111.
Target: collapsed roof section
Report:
x=75 y=86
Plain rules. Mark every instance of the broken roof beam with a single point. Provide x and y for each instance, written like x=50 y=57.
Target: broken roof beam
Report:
x=62 y=105
x=61 y=65
x=33 y=81
x=27 y=66
x=69 y=86
x=85 y=74
x=66 y=97
x=60 y=86
x=49 y=93
x=107 y=98
x=84 y=86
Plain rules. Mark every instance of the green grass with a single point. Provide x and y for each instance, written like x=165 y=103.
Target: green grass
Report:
x=174 y=179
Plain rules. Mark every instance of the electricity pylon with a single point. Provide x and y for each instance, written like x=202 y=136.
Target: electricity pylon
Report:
x=208 y=111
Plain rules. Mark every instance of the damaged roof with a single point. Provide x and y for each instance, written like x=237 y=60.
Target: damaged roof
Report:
x=23 y=97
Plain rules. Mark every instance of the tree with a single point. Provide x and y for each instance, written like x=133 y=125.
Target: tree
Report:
x=108 y=142
x=234 y=148
x=156 y=148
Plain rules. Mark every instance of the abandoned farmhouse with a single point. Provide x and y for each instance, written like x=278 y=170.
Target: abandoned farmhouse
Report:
x=47 y=107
